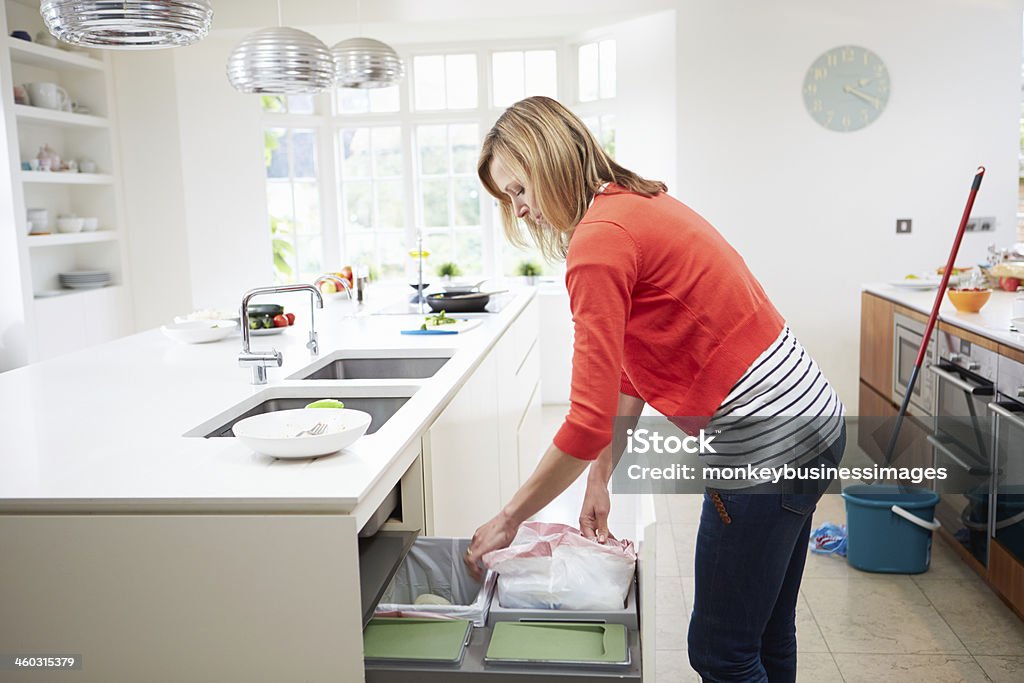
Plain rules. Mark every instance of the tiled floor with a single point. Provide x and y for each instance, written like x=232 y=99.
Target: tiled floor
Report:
x=943 y=625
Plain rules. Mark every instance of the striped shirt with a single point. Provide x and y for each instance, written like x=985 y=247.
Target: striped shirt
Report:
x=783 y=410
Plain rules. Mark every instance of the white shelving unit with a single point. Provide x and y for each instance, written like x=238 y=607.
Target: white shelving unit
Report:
x=50 y=324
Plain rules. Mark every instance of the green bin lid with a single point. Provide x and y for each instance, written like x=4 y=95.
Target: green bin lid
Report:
x=558 y=643
x=399 y=639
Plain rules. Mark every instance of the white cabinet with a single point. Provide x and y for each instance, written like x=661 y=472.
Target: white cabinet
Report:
x=473 y=452
x=83 y=133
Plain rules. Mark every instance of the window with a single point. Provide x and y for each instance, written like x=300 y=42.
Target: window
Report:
x=445 y=82
x=520 y=74
x=603 y=128
x=372 y=205
x=293 y=202
x=596 y=69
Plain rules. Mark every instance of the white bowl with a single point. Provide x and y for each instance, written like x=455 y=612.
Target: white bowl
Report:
x=70 y=224
x=274 y=433
x=90 y=224
x=199 y=331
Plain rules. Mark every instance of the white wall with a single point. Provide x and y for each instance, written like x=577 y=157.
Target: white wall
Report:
x=812 y=211
x=153 y=183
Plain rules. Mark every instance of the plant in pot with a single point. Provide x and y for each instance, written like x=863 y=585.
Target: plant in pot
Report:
x=448 y=270
x=530 y=270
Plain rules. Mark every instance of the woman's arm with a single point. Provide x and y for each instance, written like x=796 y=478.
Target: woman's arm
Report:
x=553 y=475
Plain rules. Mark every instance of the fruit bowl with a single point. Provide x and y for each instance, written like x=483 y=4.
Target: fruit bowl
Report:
x=968 y=300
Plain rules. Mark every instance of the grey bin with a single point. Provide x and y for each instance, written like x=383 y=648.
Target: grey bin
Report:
x=628 y=615
x=434 y=565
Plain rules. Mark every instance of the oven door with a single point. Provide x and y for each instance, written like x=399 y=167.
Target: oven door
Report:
x=1007 y=522
x=961 y=442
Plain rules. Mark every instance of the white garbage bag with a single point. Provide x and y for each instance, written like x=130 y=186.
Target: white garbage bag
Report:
x=552 y=566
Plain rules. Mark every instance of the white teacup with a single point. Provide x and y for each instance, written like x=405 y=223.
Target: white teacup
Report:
x=90 y=224
x=40 y=219
x=48 y=96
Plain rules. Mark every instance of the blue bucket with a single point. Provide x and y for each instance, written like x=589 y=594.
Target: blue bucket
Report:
x=890 y=528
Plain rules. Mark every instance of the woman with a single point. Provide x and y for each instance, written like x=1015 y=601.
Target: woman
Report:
x=666 y=313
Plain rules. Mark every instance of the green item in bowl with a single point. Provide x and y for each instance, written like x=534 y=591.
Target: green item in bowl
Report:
x=326 y=403
x=265 y=309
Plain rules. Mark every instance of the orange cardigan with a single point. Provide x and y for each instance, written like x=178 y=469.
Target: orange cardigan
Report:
x=663 y=309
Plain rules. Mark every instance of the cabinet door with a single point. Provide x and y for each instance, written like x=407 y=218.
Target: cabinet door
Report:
x=877 y=418
x=462 y=463
x=876 y=343
x=530 y=441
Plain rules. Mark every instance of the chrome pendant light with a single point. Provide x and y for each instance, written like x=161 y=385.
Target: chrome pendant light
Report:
x=127 y=24
x=365 y=62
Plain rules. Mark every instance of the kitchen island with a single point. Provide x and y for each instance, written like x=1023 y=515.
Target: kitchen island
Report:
x=157 y=554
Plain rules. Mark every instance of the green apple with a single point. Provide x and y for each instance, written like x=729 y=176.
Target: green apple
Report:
x=326 y=403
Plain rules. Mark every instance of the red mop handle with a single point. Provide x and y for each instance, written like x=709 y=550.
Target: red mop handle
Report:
x=979 y=174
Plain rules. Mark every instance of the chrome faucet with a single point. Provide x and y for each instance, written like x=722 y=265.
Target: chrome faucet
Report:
x=260 y=361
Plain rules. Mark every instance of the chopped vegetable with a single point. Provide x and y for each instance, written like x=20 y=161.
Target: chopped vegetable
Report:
x=439 y=319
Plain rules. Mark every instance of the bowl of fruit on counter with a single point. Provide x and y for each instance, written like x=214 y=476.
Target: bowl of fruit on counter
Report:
x=269 y=319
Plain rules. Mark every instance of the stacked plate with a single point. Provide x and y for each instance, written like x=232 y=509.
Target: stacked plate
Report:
x=84 y=279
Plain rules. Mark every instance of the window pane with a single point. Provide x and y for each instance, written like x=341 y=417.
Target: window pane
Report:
x=387 y=151
x=467 y=201
x=355 y=152
x=441 y=249
x=461 y=78
x=304 y=153
x=607 y=68
x=307 y=257
x=465 y=139
x=307 y=208
x=429 y=82
x=393 y=254
x=384 y=99
x=279 y=199
x=353 y=101
x=541 y=73
x=358 y=249
x=608 y=134
x=594 y=124
x=301 y=104
x=390 y=204
x=275 y=149
x=273 y=103
x=435 y=203
x=588 y=85
x=507 y=72
x=358 y=205
x=468 y=252
x=433 y=146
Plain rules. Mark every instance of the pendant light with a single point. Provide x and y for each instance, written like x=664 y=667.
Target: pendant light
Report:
x=365 y=62
x=280 y=61
x=127 y=24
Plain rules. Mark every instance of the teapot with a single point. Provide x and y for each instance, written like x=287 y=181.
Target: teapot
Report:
x=48 y=158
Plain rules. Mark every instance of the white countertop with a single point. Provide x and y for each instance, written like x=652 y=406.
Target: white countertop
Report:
x=992 y=321
x=101 y=430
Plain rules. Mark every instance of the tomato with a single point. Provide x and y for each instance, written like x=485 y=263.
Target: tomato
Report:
x=280 y=321
x=291 y=318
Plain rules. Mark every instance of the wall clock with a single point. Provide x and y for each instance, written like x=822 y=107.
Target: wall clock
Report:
x=846 y=88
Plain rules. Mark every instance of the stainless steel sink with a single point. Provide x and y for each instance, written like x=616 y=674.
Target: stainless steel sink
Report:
x=356 y=365
x=381 y=407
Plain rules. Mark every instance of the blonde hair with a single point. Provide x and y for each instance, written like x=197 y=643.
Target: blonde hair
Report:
x=549 y=148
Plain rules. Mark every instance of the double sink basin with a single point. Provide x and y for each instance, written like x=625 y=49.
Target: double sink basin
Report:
x=346 y=376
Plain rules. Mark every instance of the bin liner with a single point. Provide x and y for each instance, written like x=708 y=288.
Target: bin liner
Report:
x=552 y=566
x=434 y=565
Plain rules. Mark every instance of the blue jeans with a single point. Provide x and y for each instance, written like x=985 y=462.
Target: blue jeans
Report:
x=747 y=576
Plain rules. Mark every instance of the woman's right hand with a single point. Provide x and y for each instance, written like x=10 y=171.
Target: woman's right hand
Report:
x=594 y=514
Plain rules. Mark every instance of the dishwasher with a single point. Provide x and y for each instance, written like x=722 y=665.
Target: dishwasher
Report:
x=484 y=642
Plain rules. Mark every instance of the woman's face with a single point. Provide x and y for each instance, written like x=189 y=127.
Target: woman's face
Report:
x=523 y=202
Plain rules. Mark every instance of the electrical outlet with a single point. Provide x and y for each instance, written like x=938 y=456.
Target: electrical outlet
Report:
x=902 y=225
x=972 y=225
x=987 y=223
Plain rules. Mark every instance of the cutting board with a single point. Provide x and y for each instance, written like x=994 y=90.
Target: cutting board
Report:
x=460 y=325
x=558 y=643
x=415 y=640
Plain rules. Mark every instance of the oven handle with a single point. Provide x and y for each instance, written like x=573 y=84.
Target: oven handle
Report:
x=971 y=469
x=1006 y=414
x=961 y=384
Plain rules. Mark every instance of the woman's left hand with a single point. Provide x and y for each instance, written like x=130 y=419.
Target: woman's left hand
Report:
x=496 y=534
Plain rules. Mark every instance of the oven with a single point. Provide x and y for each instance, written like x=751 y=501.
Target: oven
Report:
x=1006 y=517
x=964 y=375
x=907 y=336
